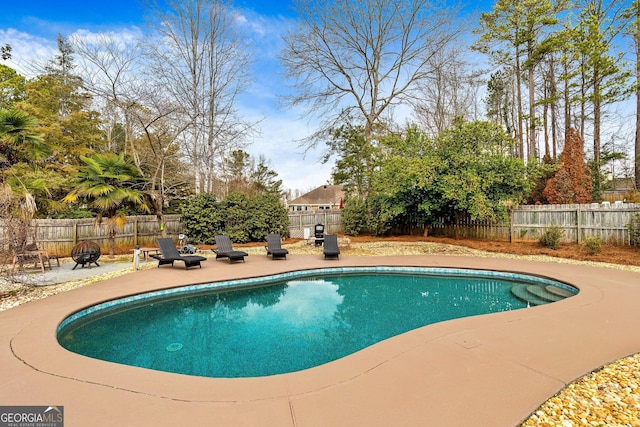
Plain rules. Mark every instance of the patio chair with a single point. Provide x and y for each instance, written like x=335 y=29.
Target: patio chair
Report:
x=225 y=249
x=169 y=254
x=331 y=249
x=274 y=247
x=52 y=253
x=29 y=254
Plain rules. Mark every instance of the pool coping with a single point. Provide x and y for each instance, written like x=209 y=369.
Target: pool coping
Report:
x=484 y=370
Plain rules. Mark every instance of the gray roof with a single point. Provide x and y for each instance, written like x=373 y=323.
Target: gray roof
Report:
x=324 y=195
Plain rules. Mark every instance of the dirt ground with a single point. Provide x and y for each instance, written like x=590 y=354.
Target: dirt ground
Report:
x=615 y=254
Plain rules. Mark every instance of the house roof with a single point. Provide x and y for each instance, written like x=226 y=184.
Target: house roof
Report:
x=324 y=195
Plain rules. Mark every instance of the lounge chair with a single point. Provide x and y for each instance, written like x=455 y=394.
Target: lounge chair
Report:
x=331 y=249
x=225 y=250
x=274 y=247
x=169 y=254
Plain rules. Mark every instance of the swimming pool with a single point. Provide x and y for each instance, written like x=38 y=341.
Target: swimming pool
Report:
x=286 y=322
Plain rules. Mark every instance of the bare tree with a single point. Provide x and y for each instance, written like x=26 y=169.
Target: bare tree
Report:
x=449 y=92
x=114 y=70
x=633 y=14
x=358 y=59
x=203 y=65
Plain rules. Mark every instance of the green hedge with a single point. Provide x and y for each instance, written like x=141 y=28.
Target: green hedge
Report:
x=244 y=218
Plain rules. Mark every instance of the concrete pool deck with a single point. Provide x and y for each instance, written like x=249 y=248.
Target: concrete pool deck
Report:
x=490 y=370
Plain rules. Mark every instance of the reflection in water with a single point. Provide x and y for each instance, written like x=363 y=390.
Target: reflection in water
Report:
x=280 y=328
x=306 y=303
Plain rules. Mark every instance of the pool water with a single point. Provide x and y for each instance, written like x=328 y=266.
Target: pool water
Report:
x=290 y=325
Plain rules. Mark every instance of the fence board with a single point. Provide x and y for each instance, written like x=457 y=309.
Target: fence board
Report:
x=298 y=221
x=60 y=235
x=607 y=221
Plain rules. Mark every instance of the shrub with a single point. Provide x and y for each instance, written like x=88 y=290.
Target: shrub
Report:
x=267 y=215
x=592 y=245
x=241 y=217
x=551 y=237
x=236 y=217
x=354 y=217
x=201 y=218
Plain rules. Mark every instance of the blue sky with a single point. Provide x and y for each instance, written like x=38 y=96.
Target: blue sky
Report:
x=31 y=28
x=47 y=18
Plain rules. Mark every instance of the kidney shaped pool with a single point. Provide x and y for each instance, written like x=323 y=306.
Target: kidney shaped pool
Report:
x=289 y=322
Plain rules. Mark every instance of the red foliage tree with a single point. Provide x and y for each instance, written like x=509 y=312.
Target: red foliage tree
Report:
x=572 y=182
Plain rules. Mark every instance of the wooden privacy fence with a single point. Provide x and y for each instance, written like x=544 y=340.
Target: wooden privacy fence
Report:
x=604 y=220
x=298 y=221
x=61 y=235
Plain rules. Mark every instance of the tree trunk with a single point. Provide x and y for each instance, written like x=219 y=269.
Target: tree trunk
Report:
x=554 y=119
x=531 y=154
x=637 y=148
x=596 y=134
x=583 y=99
x=567 y=104
x=519 y=106
x=112 y=240
x=545 y=122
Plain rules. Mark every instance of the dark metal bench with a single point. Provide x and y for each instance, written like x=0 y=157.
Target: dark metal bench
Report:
x=86 y=252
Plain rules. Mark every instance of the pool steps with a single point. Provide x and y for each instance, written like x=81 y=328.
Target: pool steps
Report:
x=539 y=294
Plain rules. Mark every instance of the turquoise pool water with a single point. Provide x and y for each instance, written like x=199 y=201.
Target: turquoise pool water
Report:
x=284 y=323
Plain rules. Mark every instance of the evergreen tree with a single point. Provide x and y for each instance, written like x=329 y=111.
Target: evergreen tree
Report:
x=65 y=119
x=604 y=73
x=572 y=182
x=264 y=179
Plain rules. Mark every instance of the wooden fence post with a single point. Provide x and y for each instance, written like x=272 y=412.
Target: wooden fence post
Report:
x=511 y=216
x=578 y=225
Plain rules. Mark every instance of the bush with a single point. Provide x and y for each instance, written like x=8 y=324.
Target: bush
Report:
x=592 y=245
x=551 y=237
x=201 y=218
x=266 y=215
x=354 y=217
x=241 y=217
x=236 y=217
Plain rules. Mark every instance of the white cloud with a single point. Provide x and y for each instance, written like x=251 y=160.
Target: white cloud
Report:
x=280 y=128
x=279 y=143
x=125 y=35
x=28 y=51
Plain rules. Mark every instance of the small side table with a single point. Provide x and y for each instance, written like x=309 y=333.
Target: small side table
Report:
x=145 y=252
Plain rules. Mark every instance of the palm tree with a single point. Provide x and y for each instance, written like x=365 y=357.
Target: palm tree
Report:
x=18 y=139
x=19 y=142
x=108 y=182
